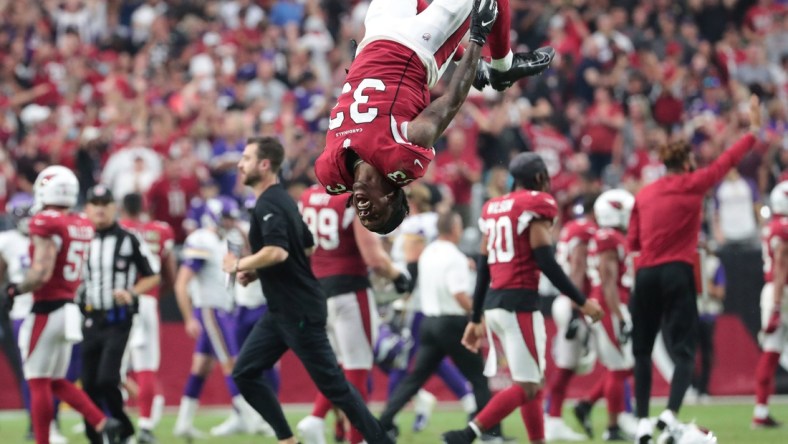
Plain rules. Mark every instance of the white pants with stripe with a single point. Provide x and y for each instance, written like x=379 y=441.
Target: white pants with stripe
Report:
x=352 y=328
x=46 y=341
x=524 y=340
x=777 y=341
x=605 y=335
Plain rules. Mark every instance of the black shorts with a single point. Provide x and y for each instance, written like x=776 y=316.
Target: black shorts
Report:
x=665 y=293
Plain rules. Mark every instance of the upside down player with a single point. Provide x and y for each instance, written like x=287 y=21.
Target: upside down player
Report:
x=382 y=128
x=60 y=240
x=516 y=245
x=144 y=351
x=774 y=306
x=344 y=251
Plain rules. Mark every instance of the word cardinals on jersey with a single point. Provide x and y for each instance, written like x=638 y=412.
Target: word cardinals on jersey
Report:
x=575 y=232
x=331 y=222
x=608 y=239
x=775 y=231
x=381 y=95
x=506 y=222
x=158 y=236
x=72 y=234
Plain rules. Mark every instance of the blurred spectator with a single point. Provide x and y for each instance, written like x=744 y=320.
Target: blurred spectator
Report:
x=197 y=205
x=131 y=170
x=601 y=137
x=458 y=172
x=736 y=202
x=169 y=196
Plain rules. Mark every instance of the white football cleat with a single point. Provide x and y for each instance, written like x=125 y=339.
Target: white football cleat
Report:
x=55 y=437
x=231 y=426
x=312 y=430
x=686 y=434
x=555 y=429
x=187 y=432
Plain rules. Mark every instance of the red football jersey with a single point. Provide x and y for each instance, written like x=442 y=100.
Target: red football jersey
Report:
x=385 y=89
x=159 y=237
x=169 y=200
x=506 y=222
x=578 y=231
x=72 y=234
x=331 y=223
x=609 y=239
x=775 y=231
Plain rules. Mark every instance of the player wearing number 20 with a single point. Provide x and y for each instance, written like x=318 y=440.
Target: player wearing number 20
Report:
x=344 y=253
x=383 y=127
x=516 y=245
x=59 y=248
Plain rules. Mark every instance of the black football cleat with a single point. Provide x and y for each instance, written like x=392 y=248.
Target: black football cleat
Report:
x=113 y=432
x=582 y=412
x=456 y=437
x=524 y=64
x=614 y=434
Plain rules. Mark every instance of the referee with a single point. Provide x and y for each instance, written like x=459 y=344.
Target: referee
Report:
x=119 y=268
x=297 y=314
x=444 y=279
x=664 y=229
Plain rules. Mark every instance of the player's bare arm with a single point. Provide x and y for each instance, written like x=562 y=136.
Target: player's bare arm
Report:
x=428 y=126
x=371 y=249
x=192 y=326
x=169 y=269
x=44 y=257
x=143 y=286
x=608 y=273
x=267 y=257
x=541 y=240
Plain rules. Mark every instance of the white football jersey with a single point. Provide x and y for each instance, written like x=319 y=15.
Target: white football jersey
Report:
x=422 y=224
x=209 y=288
x=252 y=295
x=15 y=251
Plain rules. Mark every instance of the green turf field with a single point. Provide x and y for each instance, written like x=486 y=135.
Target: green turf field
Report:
x=731 y=423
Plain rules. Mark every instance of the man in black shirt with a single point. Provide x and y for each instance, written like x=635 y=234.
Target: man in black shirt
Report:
x=296 y=317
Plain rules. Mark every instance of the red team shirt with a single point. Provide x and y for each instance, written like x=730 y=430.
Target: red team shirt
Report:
x=578 y=231
x=775 y=231
x=386 y=88
x=331 y=223
x=506 y=221
x=72 y=234
x=608 y=239
x=159 y=237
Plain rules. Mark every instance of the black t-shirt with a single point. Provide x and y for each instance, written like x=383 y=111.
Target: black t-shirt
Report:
x=290 y=287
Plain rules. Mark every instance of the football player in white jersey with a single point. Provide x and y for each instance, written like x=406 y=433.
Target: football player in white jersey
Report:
x=205 y=298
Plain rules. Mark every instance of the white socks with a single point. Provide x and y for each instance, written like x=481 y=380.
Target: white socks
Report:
x=502 y=64
x=761 y=411
x=186 y=412
x=468 y=403
x=644 y=428
x=669 y=418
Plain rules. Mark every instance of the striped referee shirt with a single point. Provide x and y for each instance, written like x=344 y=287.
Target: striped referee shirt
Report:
x=117 y=259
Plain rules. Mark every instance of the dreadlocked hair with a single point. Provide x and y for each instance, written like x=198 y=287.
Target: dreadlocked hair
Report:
x=675 y=154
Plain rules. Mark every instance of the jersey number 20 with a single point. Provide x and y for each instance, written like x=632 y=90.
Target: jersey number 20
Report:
x=500 y=240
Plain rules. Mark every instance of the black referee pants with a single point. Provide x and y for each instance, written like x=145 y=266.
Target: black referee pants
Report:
x=270 y=338
x=103 y=347
x=440 y=336
x=664 y=293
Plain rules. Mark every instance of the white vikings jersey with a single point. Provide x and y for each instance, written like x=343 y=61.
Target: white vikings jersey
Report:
x=251 y=295
x=423 y=224
x=15 y=251
x=203 y=252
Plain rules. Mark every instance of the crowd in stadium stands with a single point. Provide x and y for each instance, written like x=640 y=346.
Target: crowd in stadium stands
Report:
x=159 y=96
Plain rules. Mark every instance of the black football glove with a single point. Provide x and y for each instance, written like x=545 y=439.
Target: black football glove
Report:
x=10 y=291
x=402 y=283
x=482 y=19
x=624 y=332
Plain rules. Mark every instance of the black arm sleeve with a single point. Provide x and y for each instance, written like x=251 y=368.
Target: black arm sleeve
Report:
x=545 y=259
x=482 y=285
x=413 y=269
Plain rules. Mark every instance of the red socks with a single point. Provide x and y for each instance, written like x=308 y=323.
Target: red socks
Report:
x=498 y=39
x=500 y=406
x=533 y=417
x=614 y=391
x=358 y=379
x=597 y=392
x=764 y=376
x=78 y=400
x=41 y=408
x=147 y=386
x=557 y=390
